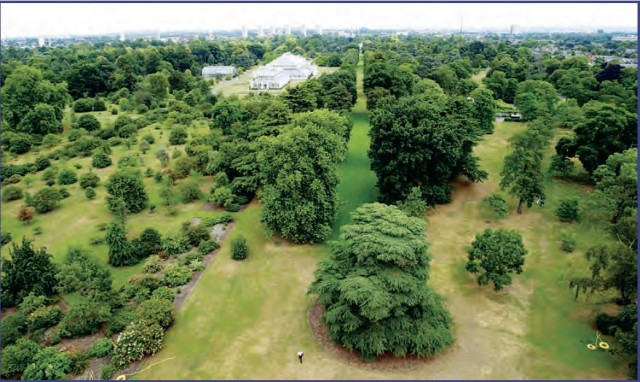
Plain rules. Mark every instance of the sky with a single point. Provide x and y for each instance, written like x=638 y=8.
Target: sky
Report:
x=35 y=20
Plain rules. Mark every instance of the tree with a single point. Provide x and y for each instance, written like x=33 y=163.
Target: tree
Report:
x=46 y=199
x=562 y=165
x=414 y=206
x=522 y=172
x=88 y=122
x=120 y=251
x=26 y=271
x=495 y=255
x=67 y=176
x=374 y=288
x=617 y=183
x=225 y=113
x=100 y=160
x=23 y=90
x=299 y=171
x=48 y=364
x=128 y=186
x=90 y=193
x=178 y=136
x=484 y=109
x=118 y=208
x=43 y=119
x=423 y=141
x=158 y=85
x=163 y=156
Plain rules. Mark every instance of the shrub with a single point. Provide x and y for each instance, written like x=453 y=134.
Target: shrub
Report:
x=32 y=302
x=44 y=317
x=10 y=193
x=189 y=191
x=13 y=179
x=153 y=264
x=37 y=230
x=196 y=265
x=101 y=348
x=6 y=238
x=221 y=179
x=157 y=177
x=48 y=363
x=148 y=282
x=67 y=176
x=64 y=193
x=83 y=319
x=223 y=196
x=568 y=210
x=568 y=243
x=139 y=339
x=222 y=219
x=177 y=153
x=163 y=293
x=118 y=321
x=46 y=199
x=20 y=144
x=497 y=204
x=99 y=105
x=108 y=371
x=13 y=327
x=176 y=275
x=197 y=234
x=191 y=257
x=100 y=160
x=233 y=207
x=88 y=122
x=16 y=358
x=129 y=186
x=208 y=246
x=239 y=248
x=158 y=311
x=83 y=105
x=25 y=214
x=42 y=163
x=178 y=136
x=90 y=193
x=89 y=179
x=175 y=244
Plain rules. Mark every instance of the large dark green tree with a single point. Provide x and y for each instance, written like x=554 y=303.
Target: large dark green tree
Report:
x=374 y=288
x=617 y=183
x=423 y=141
x=484 y=108
x=27 y=270
x=120 y=250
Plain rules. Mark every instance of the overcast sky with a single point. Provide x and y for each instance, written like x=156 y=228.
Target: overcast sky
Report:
x=19 y=20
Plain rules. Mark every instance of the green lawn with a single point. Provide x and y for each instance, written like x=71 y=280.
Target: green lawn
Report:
x=248 y=319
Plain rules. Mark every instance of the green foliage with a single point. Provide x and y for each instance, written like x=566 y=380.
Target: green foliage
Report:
x=568 y=243
x=48 y=364
x=90 y=193
x=195 y=234
x=414 y=206
x=108 y=370
x=163 y=293
x=80 y=273
x=568 y=210
x=163 y=156
x=46 y=199
x=100 y=160
x=495 y=255
x=43 y=318
x=189 y=191
x=423 y=140
x=25 y=271
x=497 y=204
x=101 y=348
x=20 y=143
x=175 y=244
x=128 y=186
x=13 y=327
x=89 y=179
x=561 y=165
x=184 y=165
x=158 y=311
x=176 y=275
x=239 y=248
x=139 y=339
x=83 y=319
x=11 y=193
x=151 y=241
x=207 y=246
x=16 y=358
x=88 y=122
x=6 y=238
x=391 y=309
x=118 y=208
x=617 y=183
x=222 y=219
x=83 y=105
x=120 y=251
x=178 y=136
x=118 y=321
x=153 y=264
x=484 y=109
x=223 y=196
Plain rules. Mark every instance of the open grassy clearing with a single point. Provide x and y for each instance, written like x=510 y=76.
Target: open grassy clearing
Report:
x=248 y=320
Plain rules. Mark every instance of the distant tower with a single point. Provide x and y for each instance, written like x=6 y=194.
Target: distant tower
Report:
x=245 y=32
x=122 y=36
x=273 y=30
x=304 y=30
x=40 y=42
x=260 y=30
x=319 y=29
x=513 y=29
x=288 y=30
x=461 y=21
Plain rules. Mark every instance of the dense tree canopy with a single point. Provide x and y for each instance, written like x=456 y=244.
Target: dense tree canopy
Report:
x=128 y=186
x=391 y=309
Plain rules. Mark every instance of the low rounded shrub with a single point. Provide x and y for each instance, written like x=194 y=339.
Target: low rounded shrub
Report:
x=16 y=358
x=239 y=248
x=100 y=160
x=207 y=246
x=164 y=293
x=140 y=338
x=48 y=363
x=153 y=264
x=89 y=179
x=83 y=319
x=10 y=193
x=497 y=204
x=44 y=317
x=568 y=210
x=101 y=348
x=159 y=311
x=67 y=176
x=176 y=275
x=118 y=321
x=568 y=243
x=13 y=326
x=90 y=193
x=175 y=244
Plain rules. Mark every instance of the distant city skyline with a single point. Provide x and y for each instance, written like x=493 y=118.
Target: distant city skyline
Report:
x=46 y=20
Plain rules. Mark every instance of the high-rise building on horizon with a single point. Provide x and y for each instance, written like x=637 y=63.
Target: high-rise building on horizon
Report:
x=122 y=38
x=319 y=29
x=40 y=42
x=245 y=32
x=304 y=30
